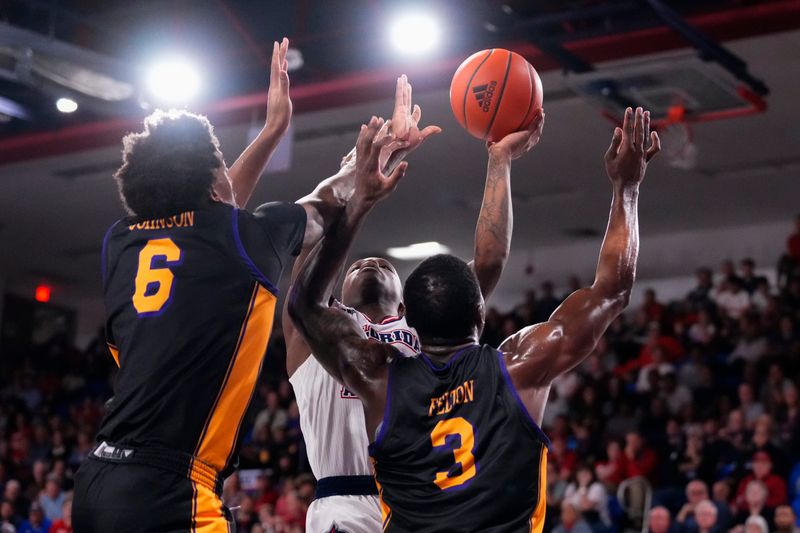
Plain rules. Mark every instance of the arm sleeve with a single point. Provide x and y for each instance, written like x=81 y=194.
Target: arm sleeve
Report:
x=268 y=237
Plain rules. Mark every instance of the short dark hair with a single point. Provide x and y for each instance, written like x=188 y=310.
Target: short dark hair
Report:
x=440 y=296
x=169 y=167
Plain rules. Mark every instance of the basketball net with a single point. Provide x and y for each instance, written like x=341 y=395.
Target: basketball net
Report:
x=677 y=140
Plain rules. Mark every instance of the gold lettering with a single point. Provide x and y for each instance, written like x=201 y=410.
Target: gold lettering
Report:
x=468 y=390
x=170 y=222
x=190 y=217
x=433 y=406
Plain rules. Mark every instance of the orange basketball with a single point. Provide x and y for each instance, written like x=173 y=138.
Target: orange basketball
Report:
x=495 y=92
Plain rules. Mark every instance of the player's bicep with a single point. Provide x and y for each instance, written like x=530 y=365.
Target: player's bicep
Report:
x=531 y=355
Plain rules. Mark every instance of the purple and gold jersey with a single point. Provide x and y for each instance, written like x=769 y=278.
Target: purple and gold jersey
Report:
x=457 y=449
x=190 y=300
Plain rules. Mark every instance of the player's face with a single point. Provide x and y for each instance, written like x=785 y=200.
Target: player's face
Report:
x=370 y=279
x=223 y=190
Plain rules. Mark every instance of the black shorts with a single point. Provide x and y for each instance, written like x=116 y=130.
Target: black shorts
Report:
x=128 y=497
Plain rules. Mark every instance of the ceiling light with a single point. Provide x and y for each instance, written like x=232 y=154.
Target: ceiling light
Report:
x=419 y=250
x=173 y=80
x=66 y=105
x=415 y=33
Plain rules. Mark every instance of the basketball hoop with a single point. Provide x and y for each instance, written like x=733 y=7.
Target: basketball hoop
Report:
x=677 y=140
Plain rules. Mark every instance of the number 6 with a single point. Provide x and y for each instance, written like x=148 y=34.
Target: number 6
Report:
x=148 y=276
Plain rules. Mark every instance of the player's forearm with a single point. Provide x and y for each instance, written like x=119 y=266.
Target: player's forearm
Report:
x=323 y=327
x=495 y=224
x=616 y=268
x=248 y=168
x=326 y=204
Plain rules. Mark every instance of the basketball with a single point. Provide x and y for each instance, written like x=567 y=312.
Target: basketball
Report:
x=495 y=92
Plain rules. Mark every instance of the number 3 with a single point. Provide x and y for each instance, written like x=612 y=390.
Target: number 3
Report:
x=154 y=284
x=463 y=454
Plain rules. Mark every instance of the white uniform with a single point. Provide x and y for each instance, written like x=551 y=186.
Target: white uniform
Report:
x=332 y=421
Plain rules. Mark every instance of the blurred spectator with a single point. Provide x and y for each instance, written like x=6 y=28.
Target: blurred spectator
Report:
x=755 y=504
x=756 y=524
x=589 y=496
x=731 y=298
x=659 y=520
x=793 y=242
x=700 y=296
x=36 y=522
x=706 y=518
x=750 y=280
x=571 y=520
x=785 y=520
x=652 y=309
x=64 y=524
x=52 y=499
x=762 y=472
x=639 y=459
x=752 y=345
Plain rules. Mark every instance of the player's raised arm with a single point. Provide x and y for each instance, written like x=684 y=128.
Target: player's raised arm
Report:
x=334 y=338
x=496 y=220
x=539 y=353
x=247 y=169
x=333 y=193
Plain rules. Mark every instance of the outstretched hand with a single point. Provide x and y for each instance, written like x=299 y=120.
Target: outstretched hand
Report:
x=279 y=105
x=515 y=145
x=371 y=184
x=627 y=158
x=403 y=127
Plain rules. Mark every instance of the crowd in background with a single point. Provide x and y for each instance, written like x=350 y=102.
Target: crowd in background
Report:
x=698 y=396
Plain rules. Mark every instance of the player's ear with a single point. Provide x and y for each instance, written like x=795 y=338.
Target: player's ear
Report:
x=479 y=317
x=401 y=309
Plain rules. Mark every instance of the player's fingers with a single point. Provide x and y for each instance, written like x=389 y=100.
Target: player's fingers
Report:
x=655 y=146
x=361 y=142
x=366 y=138
x=616 y=140
x=275 y=65
x=374 y=148
x=417 y=113
x=406 y=91
x=398 y=91
x=538 y=120
x=396 y=175
x=638 y=130
x=627 y=128
x=646 y=135
x=284 y=48
x=429 y=130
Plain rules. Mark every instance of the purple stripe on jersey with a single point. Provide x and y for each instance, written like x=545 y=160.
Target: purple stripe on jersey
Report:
x=103 y=265
x=501 y=361
x=243 y=253
x=387 y=409
x=453 y=359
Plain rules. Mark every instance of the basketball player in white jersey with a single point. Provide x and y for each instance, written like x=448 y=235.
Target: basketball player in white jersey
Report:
x=332 y=417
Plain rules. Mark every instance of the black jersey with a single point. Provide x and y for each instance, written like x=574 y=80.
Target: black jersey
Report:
x=457 y=449
x=190 y=300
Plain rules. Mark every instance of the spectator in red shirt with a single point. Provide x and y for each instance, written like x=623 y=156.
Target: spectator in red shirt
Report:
x=651 y=307
x=565 y=460
x=64 y=524
x=762 y=471
x=612 y=471
x=640 y=460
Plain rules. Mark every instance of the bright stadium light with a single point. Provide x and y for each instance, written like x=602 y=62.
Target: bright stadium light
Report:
x=173 y=80
x=66 y=105
x=415 y=33
x=419 y=250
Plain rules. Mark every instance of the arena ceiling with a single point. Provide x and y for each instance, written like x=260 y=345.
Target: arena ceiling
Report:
x=57 y=197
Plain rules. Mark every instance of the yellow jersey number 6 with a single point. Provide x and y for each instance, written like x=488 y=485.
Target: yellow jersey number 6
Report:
x=154 y=284
x=463 y=454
